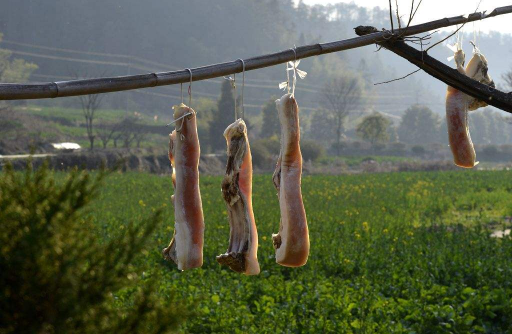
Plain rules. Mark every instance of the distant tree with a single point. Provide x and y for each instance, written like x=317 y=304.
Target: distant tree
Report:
x=14 y=70
x=222 y=117
x=498 y=129
x=479 y=128
x=270 y=125
x=139 y=137
x=374 y=129
x=106 y=133
x=508 y=79
x=365 y=71
x=419 y=125
x=323 y=127
x=443 y=132
x=128 y=129
x=311 y=150
x=392 y=133
x=90 y=104
x=341 y=95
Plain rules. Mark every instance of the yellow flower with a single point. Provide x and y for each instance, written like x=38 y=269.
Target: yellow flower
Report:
x=385 y=230
x=366 y=227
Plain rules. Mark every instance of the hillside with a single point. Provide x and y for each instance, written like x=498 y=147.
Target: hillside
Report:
x=91 y=44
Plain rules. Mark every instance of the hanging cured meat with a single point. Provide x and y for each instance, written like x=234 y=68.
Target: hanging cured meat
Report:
x=458 y=104
x=457 y=120
x=186 y=247
x=241 y=255
x=292 y=241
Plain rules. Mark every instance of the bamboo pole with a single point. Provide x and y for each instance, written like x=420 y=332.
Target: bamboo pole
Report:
x=14 y=91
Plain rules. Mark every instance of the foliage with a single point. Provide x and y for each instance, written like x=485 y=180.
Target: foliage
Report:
x=419 y=125
x=260 y=156
x=398 y=146
x=341 y=96
x=222 y=117
x=489 y=127
x=90 y=104
x=338 y=147
x=323 y=127
x=418 y=149
x=508 y=79
x=15 y=70
x=311 y=150
x=271 y=126
x=490 y=152
x=400 y=252
x=272 y=144
x=374 y=129
x=58 y=274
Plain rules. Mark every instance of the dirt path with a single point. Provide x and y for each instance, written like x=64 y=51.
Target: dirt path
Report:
x=25 y=156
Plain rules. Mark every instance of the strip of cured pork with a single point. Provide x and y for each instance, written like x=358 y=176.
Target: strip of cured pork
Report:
x=186 y=247
x=458 y=104
x=241 y=255
x=292 y=241
x=478 y=69
x=457 y=122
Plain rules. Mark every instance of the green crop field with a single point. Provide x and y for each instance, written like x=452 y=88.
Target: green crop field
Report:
x=390 y=253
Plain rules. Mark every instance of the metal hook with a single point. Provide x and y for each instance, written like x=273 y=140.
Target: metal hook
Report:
x=243 y=85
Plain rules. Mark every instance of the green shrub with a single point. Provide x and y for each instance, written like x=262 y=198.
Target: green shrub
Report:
x=341 y=146
x=397 y=146
x=311 y=150
x=272 y=144
x=379 y=146
x=418 y=149
x=357 y=144
x=260 y=156
x=491 y=151
x=506 y=149
x=56 y=276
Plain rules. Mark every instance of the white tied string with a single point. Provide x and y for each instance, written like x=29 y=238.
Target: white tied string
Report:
x=232 y=81
x=189 y=102
x=243 y=85
x=455 y=47
x=292 y=66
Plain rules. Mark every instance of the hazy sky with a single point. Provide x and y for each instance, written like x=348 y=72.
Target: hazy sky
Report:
x=436 y=9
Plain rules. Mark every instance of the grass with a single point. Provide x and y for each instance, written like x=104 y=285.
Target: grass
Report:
x=390 y=253
x=67 y=124
x=352 y=161
x=73 y=114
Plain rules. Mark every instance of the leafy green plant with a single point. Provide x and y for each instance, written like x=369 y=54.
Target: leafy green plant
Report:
x=311 y=150
x=57 y=275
